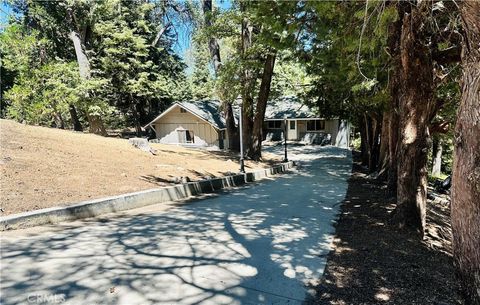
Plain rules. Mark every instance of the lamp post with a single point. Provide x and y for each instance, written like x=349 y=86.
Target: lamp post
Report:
x=285 y=138
x=240 y=125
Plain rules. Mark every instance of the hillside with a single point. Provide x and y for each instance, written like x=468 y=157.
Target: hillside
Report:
x=43 y=167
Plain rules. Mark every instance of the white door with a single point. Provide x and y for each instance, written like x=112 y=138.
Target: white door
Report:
x=292 y=130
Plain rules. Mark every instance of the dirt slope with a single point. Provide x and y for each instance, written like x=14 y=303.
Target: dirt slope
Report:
x=43 y=167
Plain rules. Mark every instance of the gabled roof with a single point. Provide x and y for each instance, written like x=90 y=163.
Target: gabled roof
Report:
x=207 y=110
x=289 y=107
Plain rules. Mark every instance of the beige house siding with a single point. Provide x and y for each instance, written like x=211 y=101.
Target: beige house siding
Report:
x=331 y=127
x=301 y=128
x=167 y=128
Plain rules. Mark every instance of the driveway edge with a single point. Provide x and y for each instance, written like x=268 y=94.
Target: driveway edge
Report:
x=134 y=200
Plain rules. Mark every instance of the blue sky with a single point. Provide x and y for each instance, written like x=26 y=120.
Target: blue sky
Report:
x=5 y=11
x=184 y=34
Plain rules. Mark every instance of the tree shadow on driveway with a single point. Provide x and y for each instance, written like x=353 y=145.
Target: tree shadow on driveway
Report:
x=260 y=244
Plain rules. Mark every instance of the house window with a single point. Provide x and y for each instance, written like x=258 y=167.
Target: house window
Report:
x=315 y=125
x=186 y=136
x=183 y=110
x=274 y=124
x=292 y=125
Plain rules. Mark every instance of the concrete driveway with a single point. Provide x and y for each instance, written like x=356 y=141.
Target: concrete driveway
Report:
x=265 y=243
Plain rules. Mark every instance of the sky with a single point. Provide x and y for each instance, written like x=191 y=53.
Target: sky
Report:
x=5 y=11
x=184 y=34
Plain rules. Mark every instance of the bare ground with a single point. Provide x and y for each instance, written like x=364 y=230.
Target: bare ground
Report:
x=373 y=262
x=44 y=167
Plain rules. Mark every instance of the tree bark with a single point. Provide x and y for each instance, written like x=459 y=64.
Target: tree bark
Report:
x=159 y=35
x=370 y=141
x=368 y=133
x=95 y=124
x=59 y=122
x=95 y=121
x=374 y=139
x=214 y=49
x=80 y=52
x=138 y=116
x=363 y=141
x=248 y=83
x=77 y=126
x=232 y=132
x=415 y=106
x=392 y=149
x=247 y=123
x=466 y=162
x=255 y=152
x=213 y=46
x=394 y=35
x=383 y=155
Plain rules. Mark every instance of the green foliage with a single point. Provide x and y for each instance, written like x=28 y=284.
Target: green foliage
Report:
x=290 y=78
x=21 y=50
x=202 y=83
x=331 y=54
x=140 y=76
x=356 y=143
x=348 y=57
x=130 y=74
x=42 y=96
x=274 y=28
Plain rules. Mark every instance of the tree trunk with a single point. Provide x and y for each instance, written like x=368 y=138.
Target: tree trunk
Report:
x=95 y=121
x=59 y=122
x=394 y=35
x=437 y=157
x=138 y=113
x=247 y=124
x=392 y=150
x=214 y=49
x=95 y=124
x=374 y=145
x=248 y=83
x=383 y=155
x=213 y=46
x=255 y=152
x=77 y=126
x=466 y=161
x=80 y=52
x=370 y=141
x=415 y=106
x=363 y=142
x=232 y=131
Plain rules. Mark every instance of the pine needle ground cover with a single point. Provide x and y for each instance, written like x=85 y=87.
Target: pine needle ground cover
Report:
x=373 y=262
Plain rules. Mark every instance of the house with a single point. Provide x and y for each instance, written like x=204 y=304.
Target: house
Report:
x=303 y=124
x=197 y=123
x=201 y=124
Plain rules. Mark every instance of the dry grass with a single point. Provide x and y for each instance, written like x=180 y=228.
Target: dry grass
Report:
x=43 y=167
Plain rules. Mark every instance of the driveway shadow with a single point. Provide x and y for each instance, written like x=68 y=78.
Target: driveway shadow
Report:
x=260 y=244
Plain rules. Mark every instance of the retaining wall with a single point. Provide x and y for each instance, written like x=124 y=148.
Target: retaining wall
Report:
x=129 y=201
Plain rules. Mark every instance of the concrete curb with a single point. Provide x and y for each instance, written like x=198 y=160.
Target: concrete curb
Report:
x=129 y=201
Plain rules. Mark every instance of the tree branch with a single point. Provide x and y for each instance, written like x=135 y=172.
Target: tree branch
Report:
x=160 y=33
